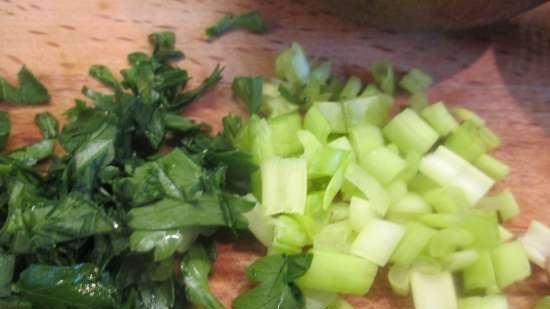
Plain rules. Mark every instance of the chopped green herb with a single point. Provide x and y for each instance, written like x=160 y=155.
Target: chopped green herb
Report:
x=251 y=21
x=30 y=91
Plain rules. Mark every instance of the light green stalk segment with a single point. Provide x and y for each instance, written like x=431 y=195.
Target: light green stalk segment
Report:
x=383 y=74
x=339 y=211
x=260 y=140
x=439 y=117
x=465 y=114
x=351 y=89
x=371 y=90
x=544 y=303
x=483 y=225
x=448 y=240
x=504 y=202
x=292 y=65
x=410 y=133
x=338 y=273
x=321 y=72
x=360 y=212
x=418 y=101
x=260 y=225
x=341 y=304
x=466 y=141
x=480 y=276
x=410 y=207
x=334 y=114
x=310 y=143
x=316 y=123
x=421 y=184
x=485 y=302
x=442 y=221
x=377 y=241
x=365 y=138
x=318 y=300
x=335 y=183
x=510 y=263
x=370 y=187
x=383 y=164
x=491 y=166
x=399 y=277
x=284 y=185
x=289 y=236
x=433 y=290
x=396 y=190
x=325 y=162
x=341 y=143
x=505 y=235
x=372 y=110
x=459 y=260
x=416 y=81
x=447 y=199
x=284 y=134
x=536 y=242
x=416 y=238
x=336 y=237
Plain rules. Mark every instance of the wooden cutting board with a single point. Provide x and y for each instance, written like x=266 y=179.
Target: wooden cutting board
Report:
x=502 y=72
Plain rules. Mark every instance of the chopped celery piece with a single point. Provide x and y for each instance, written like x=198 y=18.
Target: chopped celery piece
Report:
x=373 y=110
x=314 y=208
x=371 y=90
x=339 y=211
x=465 y=114
x=377 y=241
x=480 y=275
x=492 y=167
x=284 y=185
x=360 y=212
x=335 y=183
x=289 y=236
x=383 y=74
x=316 y=123
x=293 y=65
x=410 y=207
x=416 y=81
x=420 y=183
x=433 y=290
x=410 y=133
x=325 y=162
x=310 y=143
x=275 y=106
x=338 y=273
x=489 y=137
x=426 y=264
x=399 y=277
x=441 y=221
x=448 y=240
x=418 y=101
x=484 y=227
x=334 y=237
x=505 y=235
x=448 y=169
x=439 y=117
x=466 y=141
x=370 y=187
x=334 y=87
x=447 y=199
x=349 y=190
x=260 y=225
x=510 y=263
x=284 y=134
x=486 y=302
x=334 y=114
x=504 y=202
x=412 y=161
x=416 y=238
x=383 y=164
x=341 y=143
x=365 y=138
x=396 y=190
x=341 y=304
x=459 y=260
x=351 y=89
x=544 y=303
x=536 y=242
x=321 y=72
x=317 y=299
x=260 y=140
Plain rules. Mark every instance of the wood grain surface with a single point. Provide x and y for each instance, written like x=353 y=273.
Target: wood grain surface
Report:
x=502 y=72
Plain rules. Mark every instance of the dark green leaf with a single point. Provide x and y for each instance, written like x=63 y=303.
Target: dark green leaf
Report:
x=165 y=243
x=251 y=21
x=187 y=97
x=163 y=46
x=249 y=90
x=47 y=124
x=31 y=154
x=181 y=124
x=105 y=76
x=5 y=129
x=7 y=265
x=30 y=91
x=196 y=267
x=74 y=287
x=15 y=303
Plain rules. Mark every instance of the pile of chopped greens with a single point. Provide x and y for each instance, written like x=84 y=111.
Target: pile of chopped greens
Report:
x=124 y=217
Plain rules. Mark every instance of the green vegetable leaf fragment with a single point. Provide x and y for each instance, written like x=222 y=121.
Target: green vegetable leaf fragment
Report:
x=105 y=76
x=7 y=267
x=31 y=154
x=47 y=124
x=196 y=267
x=30 y=91
x=187 y=97
x=251 y=21
x=5 y=129
x=249 y=91
x=73 y=287
x=163 y=46
x=275 y=290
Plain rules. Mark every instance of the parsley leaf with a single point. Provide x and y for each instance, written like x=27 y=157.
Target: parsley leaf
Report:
x=30 y=91
x=47 y=124
x=5 y=129
x=249 y=90
x=251 y=21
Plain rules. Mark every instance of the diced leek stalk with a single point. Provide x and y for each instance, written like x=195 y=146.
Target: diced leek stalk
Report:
x=316 y=123
x=365 y=138
x=384 y=76
x=448 y=240
x=339 y=211
x=335 y=237
x=459 y=260
x=360 y=212
x=334 y=114
x=504 y=202
x=410 y=207
x=439 y=117
x=289 y=236
x=544 y=303
x=399 y=278
x=372 y=110
x=396 y=190
x=342 y=304
x=465 y=114
x=410 y=132
x=348 y=274
x=318 y=300
x=341 y=143
x=416 y=81
x=447 y=199
x=284 y=134
x=284 y=185
x=448 y=169
x=293 y=65
x=480 y=276
x=467 y=141
x=370 y=187
x=418 y=101
x=492 y=167
x=351 y=89
x=383 y=164
x=536 y=242
x=433 y=291
x=505 y=235
x=510 y=263
x=486 y=302
x=416 y=238
x=377 y=241
x=260 y=225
